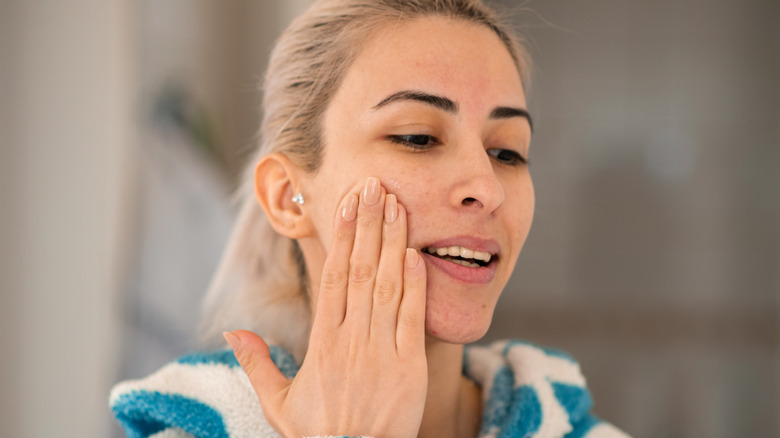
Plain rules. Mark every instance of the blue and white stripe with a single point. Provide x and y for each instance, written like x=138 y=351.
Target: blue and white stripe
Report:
x=532 y=392
x=528 y=392
x=204 y=395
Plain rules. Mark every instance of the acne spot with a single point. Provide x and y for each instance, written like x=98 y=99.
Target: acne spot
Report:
x=392 y=186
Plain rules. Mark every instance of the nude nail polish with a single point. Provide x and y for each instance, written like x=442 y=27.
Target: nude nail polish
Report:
x=232 y=340
x=349 y=208
x=391 y=209
x=412 y=258
x=371 y=191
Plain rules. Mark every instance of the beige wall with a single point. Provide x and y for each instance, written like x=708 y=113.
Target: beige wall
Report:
x=71 y=96
x=653 y=257
x=67 y=130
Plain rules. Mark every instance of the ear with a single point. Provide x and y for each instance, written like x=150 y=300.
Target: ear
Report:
x=275 y=183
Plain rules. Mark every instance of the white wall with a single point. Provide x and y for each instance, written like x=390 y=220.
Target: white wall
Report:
x=66 y=109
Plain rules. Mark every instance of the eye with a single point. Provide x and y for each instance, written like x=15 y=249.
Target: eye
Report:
x=507 y=156
x=415 y=141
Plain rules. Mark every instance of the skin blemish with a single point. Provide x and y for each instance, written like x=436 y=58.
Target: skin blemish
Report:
x=392 y=185
x=411 y=69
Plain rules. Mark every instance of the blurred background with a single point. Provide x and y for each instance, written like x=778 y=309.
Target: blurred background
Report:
x=654 y=257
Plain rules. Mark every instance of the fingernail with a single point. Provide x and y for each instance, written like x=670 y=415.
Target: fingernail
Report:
x=349 y=209
x=412 y=258
x=232 y=340
x=391 y=209
x=371 y=191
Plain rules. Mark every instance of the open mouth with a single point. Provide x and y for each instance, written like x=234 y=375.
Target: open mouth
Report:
x=460 y=255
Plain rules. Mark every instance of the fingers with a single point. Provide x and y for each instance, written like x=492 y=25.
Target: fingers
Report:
x=410 y=332
x=332 y=300
x=389 y=278
x=255 y=358
x=365 y=255
x=368 y=331
x=364 y=275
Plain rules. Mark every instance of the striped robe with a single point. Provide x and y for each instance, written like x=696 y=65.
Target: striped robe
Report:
x=527 y=391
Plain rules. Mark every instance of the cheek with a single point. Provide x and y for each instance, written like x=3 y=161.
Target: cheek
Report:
x=406 y=181
x=325 y=193
x=414 y=191
x=522 y=207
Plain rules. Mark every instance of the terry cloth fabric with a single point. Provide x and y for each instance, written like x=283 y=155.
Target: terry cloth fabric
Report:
x=527 y=391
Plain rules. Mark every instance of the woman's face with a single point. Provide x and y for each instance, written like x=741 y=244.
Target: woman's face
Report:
x=435 y=109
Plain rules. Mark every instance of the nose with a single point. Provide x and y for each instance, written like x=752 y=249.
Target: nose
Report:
x=476 y=185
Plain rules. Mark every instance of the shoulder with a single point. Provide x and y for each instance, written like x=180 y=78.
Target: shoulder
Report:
x=529 y=390
x=203 y=394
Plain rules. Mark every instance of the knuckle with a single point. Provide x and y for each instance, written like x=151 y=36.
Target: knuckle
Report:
x=248 y=363
x=333 y=279
x=385 y=291
x=343 y=234
x=369 y=221
x=407 y=320
x=360 y=273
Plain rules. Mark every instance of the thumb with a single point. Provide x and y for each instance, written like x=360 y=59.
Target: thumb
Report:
x=255 y=358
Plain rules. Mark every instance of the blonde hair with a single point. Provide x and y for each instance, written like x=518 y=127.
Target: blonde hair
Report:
x=260 y=284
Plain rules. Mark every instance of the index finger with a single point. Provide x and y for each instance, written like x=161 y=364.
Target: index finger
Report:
x=332 y=297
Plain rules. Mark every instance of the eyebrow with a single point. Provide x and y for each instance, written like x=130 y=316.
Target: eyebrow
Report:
x=439 y=102
x=507 y=112
x=448 y=105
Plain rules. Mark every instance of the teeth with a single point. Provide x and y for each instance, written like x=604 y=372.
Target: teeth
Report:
x=484 y=256
x=465 y=263
x=459 y=251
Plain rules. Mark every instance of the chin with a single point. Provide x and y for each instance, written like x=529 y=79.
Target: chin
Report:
x=455 y=325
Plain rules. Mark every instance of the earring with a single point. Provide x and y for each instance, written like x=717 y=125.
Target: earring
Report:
x=298 y=199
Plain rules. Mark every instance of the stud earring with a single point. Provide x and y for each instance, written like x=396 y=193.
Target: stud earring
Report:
x=298 y=199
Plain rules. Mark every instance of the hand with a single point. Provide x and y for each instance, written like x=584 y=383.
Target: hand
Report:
x=365 y=372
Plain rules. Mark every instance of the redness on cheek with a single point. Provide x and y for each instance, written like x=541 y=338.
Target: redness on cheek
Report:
x=409 y=185
x=392 y=186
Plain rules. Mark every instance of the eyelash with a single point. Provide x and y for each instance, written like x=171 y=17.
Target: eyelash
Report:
x=514 y=158
x=407 y=140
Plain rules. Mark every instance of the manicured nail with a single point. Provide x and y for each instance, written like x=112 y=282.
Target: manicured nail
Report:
x=412 y=258
x=349 y=208
x=391 y=209
x=371 y=191
x=232 y=340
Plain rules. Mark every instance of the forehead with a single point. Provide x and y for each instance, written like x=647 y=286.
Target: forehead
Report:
x=464 y=61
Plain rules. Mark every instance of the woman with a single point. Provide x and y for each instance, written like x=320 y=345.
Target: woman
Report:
x=396 y=197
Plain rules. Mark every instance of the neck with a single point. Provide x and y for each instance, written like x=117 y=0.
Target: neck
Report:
x=453 y=404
